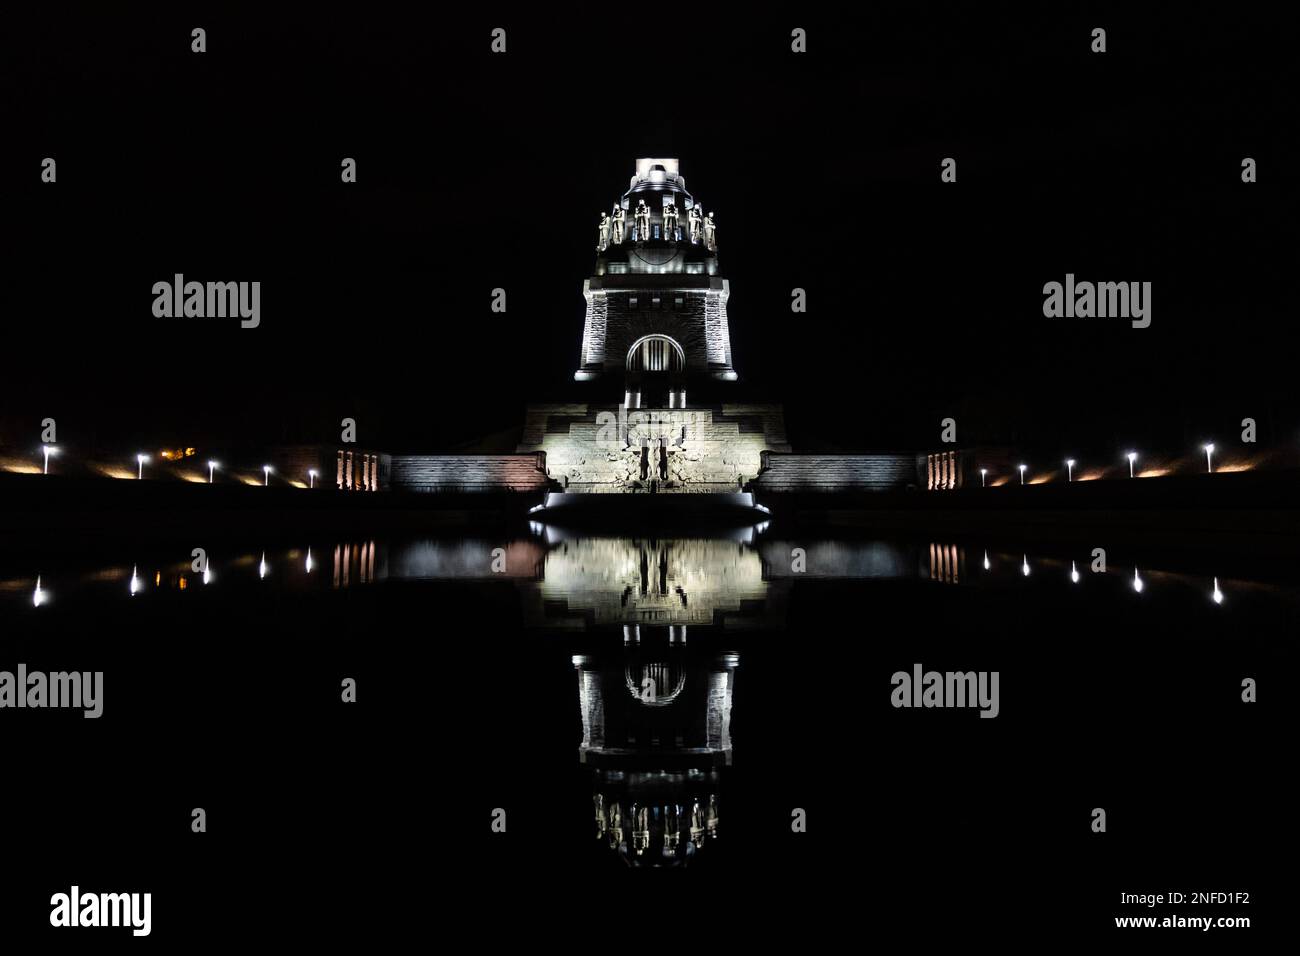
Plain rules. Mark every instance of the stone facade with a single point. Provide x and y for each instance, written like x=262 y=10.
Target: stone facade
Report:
x=609 y=448
x=468 y=473
x=690 y=310
x=836 y=473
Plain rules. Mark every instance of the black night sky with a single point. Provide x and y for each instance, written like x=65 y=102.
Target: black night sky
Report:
x=479 y=171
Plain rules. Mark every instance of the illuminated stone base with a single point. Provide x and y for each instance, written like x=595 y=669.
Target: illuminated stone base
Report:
x=608 y=449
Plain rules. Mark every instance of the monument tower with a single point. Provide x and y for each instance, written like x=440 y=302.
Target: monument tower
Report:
x=656 y=357
x=656 y=306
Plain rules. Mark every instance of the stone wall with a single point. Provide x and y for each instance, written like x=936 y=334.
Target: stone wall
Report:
x=693 y=312
x=468 y=473
x=836 y=473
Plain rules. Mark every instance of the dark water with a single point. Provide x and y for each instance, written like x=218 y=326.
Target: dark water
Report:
x=510 y=674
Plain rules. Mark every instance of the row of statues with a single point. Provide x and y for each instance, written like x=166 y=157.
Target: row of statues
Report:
x=698 y=227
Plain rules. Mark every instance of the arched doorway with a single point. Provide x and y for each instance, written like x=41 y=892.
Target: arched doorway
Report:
x=656 y=373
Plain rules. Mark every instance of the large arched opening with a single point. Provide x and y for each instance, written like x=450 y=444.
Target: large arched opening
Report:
x=656 y=373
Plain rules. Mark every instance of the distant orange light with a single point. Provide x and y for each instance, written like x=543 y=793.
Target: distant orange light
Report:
x=110 y=471
x=19 y=467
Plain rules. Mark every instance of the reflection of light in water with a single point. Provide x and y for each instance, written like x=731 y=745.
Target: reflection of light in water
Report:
x=39 y=596
x=1217 y=596
x=662 y=581
x=1074 y=573
x=309 y=564
x=261 y=567
x=135 y=584
x=1137 y=582
x=986 y=561
x=1024 y=565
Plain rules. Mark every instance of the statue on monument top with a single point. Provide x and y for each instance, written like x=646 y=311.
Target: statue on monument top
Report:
x=693 y=225
x=710 y=240
x=642 y=221
x=618 y=225
x=602 y=241
x=670 y=221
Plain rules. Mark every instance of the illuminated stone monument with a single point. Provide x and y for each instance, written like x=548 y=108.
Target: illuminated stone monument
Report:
x=659 y=410
x=656 y=344
x=657 y=305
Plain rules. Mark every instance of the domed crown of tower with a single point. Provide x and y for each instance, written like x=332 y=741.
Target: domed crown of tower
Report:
x=656 y=211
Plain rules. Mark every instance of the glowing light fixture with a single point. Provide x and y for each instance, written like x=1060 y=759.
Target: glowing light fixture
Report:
x=212 y=467
x=311 y=479
x=1209 y=450
x=135 y=584
x=1024 y=565
x=48 y=450
x=140 y=460
x=1022 y=473
x=986 y=560
x=1138 y=584
x=1132 y=457
x=983 y=472
x=1216 y=596
x=1069 y=469
x=266 y=476
x=262 y=567
x=1074 y=573
x=39 y=596
x=309 y=561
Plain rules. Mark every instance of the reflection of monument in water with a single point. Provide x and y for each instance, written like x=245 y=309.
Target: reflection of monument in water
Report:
x=733 y=580
x=593 y=582
x=656 y=735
